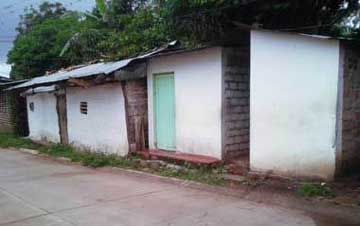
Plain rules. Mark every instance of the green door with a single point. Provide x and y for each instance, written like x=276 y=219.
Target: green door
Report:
x=164 y=98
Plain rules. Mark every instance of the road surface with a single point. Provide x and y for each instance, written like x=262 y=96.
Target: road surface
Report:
x=38 y=192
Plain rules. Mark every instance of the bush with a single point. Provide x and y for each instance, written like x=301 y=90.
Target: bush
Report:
x=9 y=140
x=95 y=160
x=314 y=190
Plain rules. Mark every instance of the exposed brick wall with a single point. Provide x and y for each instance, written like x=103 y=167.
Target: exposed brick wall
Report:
x=236 y=98
x=5 y=119
x=351 y=109
x=137 y=113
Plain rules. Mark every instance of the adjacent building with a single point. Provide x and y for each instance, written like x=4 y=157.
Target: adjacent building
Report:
x=5 y=118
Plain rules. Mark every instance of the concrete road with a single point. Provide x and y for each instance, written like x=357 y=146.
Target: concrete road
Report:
x=38 y=192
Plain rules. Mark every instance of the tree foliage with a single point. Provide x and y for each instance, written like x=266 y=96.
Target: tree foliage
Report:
x=210 y=19
x=33 y=16
x=127 y=27
x=42 y=33
x=38 y=51
x=52 y=37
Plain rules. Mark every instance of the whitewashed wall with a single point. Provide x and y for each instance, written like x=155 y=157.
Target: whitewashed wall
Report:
x=104 y=127
x=293 y=104
x=197 y=99
x=43 y=121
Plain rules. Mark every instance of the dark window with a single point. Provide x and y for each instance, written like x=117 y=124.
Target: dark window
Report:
x=31 y=106
x=83 y=108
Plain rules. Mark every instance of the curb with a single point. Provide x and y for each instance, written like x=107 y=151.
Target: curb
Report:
x=29 y=151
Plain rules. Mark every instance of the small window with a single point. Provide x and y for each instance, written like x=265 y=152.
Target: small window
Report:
x=31 y=106
x=83 y=108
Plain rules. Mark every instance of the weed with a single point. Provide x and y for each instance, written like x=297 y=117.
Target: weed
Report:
x=95 y=160
x=314 y=190
x=9 y=140
x=201 y=174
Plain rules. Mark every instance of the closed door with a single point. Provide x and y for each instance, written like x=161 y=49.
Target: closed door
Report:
x=164 y=98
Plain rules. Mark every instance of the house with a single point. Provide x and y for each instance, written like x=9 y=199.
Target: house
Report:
x=304 y=105
x=287 y=100
x=6 y=125
x=199 y=101
x=5 y=122
x=96 y=106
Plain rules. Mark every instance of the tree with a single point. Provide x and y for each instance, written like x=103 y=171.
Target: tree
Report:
x=37 y=51
x=33 y=16
x=39 y=45
x=128 y=27
x=135 y=33
x=210 y=19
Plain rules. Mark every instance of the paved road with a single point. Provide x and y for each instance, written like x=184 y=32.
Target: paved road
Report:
x=38 y=192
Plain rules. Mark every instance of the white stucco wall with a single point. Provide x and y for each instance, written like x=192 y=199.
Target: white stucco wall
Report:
x=293 y=104
x=197 y=100
x=103 y=128
x=43 y=121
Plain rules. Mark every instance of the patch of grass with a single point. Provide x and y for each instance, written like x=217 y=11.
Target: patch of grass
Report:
x=9 y=140
x=200 y=174
x=59 y=150
x=314 y=190
x=87 y=158
x=206 y=175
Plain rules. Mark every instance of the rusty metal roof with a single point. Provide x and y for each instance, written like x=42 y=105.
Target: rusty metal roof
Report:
x=88 y=70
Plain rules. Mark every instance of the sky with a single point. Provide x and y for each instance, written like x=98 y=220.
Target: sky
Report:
x=10 y=11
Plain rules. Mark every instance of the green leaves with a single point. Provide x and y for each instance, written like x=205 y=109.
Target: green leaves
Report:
x=314 y=190
x=101 y=7
x=37 y=50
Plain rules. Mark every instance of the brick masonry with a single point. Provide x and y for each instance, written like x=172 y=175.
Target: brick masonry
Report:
x=5 y=119
x=350 y=156
x=236 y=101
x=137 y=112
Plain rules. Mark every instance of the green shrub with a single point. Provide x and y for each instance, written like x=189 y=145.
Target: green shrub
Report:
x=95 y=160
x=201 y=174
x=9 y=140
x=314 y=190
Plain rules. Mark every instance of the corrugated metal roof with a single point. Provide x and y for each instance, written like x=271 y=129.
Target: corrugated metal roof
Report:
x=41 y=89
x=4 y=79
x=89 y=70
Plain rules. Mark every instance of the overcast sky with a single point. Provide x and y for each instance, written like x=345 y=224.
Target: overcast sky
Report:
x=10 y=11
